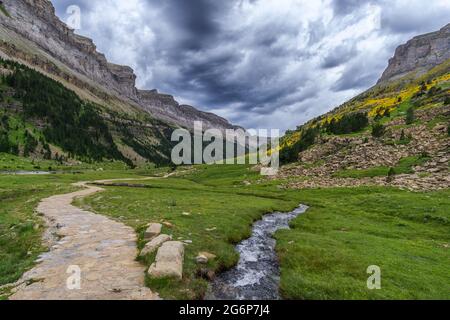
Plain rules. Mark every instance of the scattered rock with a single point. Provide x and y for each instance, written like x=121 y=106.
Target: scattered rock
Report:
x=168 y=224
x=186 y=214
x=201 y=259
x=187 y=241
x=153 y=245
x=441 y=127
x=204 y=257
x=169 y=261
x=208 y=255
x=152 y=231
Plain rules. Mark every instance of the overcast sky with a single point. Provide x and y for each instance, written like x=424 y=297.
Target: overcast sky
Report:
x=259 y=63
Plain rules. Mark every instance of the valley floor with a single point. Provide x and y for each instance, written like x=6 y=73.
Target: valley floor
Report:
x=324 y=256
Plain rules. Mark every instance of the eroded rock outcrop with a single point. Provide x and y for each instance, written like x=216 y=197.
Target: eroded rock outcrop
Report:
x=420 y=54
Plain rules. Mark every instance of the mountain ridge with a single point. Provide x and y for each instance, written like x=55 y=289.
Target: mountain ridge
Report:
x=76 y=59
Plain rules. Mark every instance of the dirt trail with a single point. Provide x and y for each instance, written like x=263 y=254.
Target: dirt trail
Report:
x=103 y=249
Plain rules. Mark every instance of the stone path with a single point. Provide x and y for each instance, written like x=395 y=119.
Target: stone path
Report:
x=103 y=249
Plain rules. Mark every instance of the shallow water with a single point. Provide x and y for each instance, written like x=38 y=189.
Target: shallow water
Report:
x=257 y=275
x=23 y=172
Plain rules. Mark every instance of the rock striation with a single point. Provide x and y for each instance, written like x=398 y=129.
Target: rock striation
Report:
x=35 y=34
x=419 y=55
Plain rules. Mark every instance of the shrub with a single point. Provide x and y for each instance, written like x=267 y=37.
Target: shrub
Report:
x=4 y=142
x=447 y=101
x=30 y=144
x=349 y=123
x=424 y=155
x=391 y=174
x=433 y=91
x=403 y=136
x=378 y=130
x=410 y=116
x=4 y=11
x=290 y=153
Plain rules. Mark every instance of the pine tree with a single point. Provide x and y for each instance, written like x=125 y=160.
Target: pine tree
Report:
x=378 y=130
x=410 y=116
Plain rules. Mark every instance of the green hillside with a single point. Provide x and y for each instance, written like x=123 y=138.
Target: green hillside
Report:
x=369 y=112
x=40 y=118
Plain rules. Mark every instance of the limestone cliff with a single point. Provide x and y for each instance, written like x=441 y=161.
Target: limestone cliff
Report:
x=34 y=34
x=419 y=55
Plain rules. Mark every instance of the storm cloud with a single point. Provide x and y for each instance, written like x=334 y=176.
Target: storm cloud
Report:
x=259 y=63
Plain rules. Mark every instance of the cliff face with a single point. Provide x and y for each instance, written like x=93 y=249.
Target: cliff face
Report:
x=33 y=24
x=165 y=107
x=419 y=55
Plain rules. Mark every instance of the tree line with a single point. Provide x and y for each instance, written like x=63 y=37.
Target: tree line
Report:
x=73 y=125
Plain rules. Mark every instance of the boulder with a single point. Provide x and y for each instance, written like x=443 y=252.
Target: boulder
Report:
x=169 y=261
x=153 y=230
x=153 y=245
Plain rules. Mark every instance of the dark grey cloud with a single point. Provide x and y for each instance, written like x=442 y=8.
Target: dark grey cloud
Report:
x=260 y=63
x=413 y=17
x=355 y=77
x=344 y=7
x=339 y=55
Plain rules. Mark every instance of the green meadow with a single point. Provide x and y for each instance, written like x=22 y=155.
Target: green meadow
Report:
x=324 y=255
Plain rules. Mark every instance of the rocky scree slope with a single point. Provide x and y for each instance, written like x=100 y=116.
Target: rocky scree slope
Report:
x=404 y=140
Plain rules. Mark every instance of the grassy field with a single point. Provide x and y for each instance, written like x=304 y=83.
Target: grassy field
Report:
x=406 y=234
x=10 y=162
x=324 y=256
x=405 y=166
